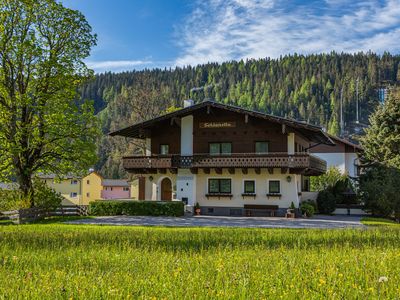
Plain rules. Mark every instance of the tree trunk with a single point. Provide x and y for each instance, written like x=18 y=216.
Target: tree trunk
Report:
x=25 y=186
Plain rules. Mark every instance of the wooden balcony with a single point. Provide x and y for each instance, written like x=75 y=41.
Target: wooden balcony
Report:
x=297 y=163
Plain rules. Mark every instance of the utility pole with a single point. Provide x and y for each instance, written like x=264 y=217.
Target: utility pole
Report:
x=357 y=120
x=341 y=113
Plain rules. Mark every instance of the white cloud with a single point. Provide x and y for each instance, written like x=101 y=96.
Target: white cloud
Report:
x=221 y=30
x=118 y=65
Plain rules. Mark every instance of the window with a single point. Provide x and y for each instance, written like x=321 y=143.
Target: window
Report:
x=164 y=149
x=220 y=148
x=87 y=194
x=74 y=181
x=126 y=189
x=219 y=186
x=88 y=181
x=274 y=187
x=261 y=147
x=73 y=195
x=305 y=184
x=249 y=187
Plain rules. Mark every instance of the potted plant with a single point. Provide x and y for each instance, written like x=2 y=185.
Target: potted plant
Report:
x=197 y=209
x=290 y=212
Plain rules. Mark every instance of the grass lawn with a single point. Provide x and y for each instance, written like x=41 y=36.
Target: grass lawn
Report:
x=370 y=221
x=58 y=261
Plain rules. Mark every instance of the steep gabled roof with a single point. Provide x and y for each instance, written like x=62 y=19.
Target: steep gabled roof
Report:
x=346 y=142
x=312 y=132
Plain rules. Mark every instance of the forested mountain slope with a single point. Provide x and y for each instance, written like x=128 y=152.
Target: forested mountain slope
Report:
x=305 y=88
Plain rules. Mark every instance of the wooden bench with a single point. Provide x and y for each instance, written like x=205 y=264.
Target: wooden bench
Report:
x=260 y=210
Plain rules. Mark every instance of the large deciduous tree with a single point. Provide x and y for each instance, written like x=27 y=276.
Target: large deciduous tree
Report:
x=42 y=127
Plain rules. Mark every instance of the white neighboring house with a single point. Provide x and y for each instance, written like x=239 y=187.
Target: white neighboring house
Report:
x=343 y=155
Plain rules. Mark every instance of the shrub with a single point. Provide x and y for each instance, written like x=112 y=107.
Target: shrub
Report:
x=11 y=200
x=45 y=197
x=379 y=189
x=307 y=209
x=136 y=208
x=326 y=202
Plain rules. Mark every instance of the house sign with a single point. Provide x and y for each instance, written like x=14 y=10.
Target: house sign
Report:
x=217 y=124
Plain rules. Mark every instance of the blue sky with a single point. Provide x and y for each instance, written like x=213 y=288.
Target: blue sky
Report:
x=135 y=34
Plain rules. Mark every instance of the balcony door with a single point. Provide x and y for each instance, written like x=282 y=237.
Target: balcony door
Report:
x=166 y=189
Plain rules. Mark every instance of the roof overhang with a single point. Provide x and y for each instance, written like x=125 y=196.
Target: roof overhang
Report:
x=141 y=130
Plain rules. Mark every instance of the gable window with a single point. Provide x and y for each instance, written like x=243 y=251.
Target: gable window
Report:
x=164 y=149
x=249 y=187
x=274 y=187
x=74 y=181
x=261 y=147
x=220 y=148
x=87 y=194
x=219 y=186
x=88 y=181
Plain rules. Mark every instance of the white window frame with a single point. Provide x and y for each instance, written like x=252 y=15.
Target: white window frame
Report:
x=255 y=185
x=280 y=187
x=213 y=177
x=73 y=195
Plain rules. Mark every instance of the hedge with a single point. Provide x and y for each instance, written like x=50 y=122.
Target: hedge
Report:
x=136 y=208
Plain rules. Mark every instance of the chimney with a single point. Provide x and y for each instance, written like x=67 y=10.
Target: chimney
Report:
x=187 y=103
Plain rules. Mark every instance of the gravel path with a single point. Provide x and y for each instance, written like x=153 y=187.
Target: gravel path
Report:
x=324 y=222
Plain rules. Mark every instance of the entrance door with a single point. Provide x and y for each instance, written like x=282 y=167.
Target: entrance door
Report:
x=166 y=189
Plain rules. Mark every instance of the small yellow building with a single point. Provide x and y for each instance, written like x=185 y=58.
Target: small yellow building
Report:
x=76 y=190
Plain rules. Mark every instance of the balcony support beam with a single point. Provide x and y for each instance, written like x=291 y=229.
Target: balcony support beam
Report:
x=194 y=170
x=162 y=171
x=206 y=170
x=244 y=170
x=218 y=170
x=231 y=170
x=173 y=171
x=257 y=170
x=271 y=171
x=284 y=170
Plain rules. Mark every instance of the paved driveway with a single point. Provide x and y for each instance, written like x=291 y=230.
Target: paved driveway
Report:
x=216 y=221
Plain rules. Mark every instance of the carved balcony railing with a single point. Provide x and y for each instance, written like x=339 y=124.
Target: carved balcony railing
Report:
x=237 y=160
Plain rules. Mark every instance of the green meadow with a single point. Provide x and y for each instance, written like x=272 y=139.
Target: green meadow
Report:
x=58 y=261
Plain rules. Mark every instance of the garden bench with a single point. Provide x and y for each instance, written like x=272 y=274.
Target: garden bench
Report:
x=260 y=210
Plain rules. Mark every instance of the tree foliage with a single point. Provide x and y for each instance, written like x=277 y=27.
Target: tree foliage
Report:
x=379 y=189
x=42 y=127
x=381 y=142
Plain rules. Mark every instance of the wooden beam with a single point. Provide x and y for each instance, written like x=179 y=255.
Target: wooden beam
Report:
x=194 y=170
x=271 y=171
x=218 y=170
x=244 y=170
x=206 y=170
x=246 y=118
x=283 y=128
x=231 y=170
x=284 y=170
x=257 y=170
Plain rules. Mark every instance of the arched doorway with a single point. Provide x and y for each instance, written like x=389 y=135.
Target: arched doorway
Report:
x=166 y=189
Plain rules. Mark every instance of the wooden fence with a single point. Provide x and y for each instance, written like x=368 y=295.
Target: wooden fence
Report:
x=27 y=215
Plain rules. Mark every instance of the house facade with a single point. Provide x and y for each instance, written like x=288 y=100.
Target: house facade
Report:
x=344 y=155
x=225 y=158
x=115 y=189
x=76 y=190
